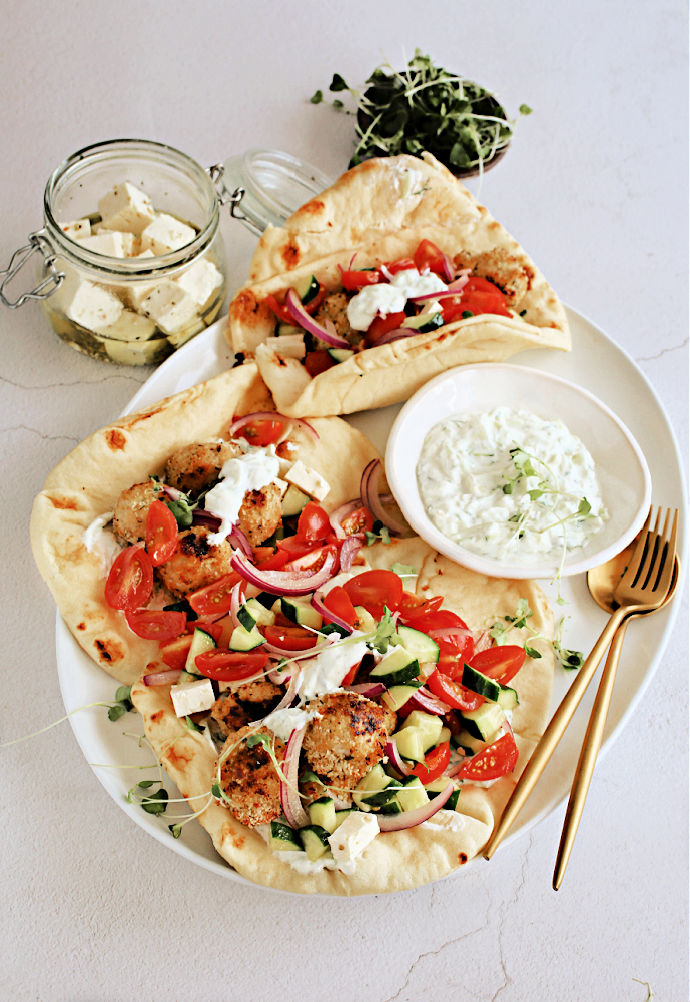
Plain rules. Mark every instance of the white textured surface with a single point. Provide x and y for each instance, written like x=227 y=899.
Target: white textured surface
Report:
x=596 y=188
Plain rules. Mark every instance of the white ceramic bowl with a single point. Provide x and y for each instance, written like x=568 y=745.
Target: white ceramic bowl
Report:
x=622 y=469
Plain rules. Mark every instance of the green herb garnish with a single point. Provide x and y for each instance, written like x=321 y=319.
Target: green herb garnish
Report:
x=380 y=533
x=123 y=703
x=424 y=107
x=385 y=634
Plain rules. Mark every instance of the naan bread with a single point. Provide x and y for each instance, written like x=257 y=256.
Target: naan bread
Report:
x=380 y=211
x=394 y=861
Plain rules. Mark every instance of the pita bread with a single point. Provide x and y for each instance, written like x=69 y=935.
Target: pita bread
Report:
x=394 y=861
x=380 y=211
x=88 y=481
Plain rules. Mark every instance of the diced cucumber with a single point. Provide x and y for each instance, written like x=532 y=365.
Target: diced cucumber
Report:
x=266 y=599
x=314 y=838
x=484 y=721
x=468 y=741
x=382 y=798
x=322 y=813
x=397 y=667
x=508 y=698
x=398 y=695
x=293 y=501
x=244 y=640
x=428 y=724
x=437 y=786
x=253 y=612
x=284 y=838
x=301 y=612
x=412 y=794
x=392 y=807
x=340 y=354
x=419 y=645
x=489 y=688
x=424 y=321
x=376 y=779
x=201 y=641
x=410 y=743
x=340 y=816
x=365 y=621
x=307 y=288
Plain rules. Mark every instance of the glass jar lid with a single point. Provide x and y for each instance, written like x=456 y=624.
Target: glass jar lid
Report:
x=274 y=185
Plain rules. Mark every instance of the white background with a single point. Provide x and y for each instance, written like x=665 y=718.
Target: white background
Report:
x=595 y=187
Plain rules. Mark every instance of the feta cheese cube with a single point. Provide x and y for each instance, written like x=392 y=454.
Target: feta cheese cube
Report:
x=288 y=345
x=76 y=229
x=192 y=697
x=282 y=485
x=126 y=208
x=136 y=292
x=129 y=326
x=308 y=480
x=112 y=243
x=169 y=306
x=351 y=838
x=87 y=304
x=200 y=280
x=166 y=234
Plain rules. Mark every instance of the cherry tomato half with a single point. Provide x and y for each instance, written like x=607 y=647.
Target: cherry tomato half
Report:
x=263 y=431
x=354 y=280
x=373 y=590
x=174 y=653
x=314 y=525
x=500 y=663
x=452 y=693
x=130 y=580
x=269 y=558
x=155 y=624
x=229 y=666
x=496 y=760
x=401 y=264
x=316 y=362
x=429 y=256
x=281 y=311
x=161 y=533
x=382 y=325
x=214 y=599
x=478 y=296
x=359 y=520
x=435 y=763
x=290 y=638
x=338 y=602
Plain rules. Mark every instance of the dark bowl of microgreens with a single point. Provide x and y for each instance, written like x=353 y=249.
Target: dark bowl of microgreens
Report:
x=425 y=107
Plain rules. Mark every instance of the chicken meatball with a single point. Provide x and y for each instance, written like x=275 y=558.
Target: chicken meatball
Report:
x=347 y=738
x=195 y=563
x=260 y=514
x=249 y=779
x=129 y=516
x=334 y=308
x=194 y=467
x=236 y=707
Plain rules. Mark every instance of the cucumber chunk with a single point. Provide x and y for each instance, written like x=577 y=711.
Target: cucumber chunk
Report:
x=419 y=645
x=365 y=621
x=301 y=612
x=293 y=501
x=484 y=721
x=245 y=640
x=283 y=838
x=412 y=794
x=396 y=668
x=410 y=743
x=322 y=813
x=398 y=695
x=314 y=838
x=307 y=288
x=375 y=780
x=430 y=726
x=253 y=612
x=489 y=688
x=340 y=354
x=201 y=641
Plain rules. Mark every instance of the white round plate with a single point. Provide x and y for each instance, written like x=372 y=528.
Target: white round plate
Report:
x=622 y=470
x=594 y=362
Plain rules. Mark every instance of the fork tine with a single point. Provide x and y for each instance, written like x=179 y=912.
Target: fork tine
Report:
x=632 y=571
x=668 y=543
x=651 y=556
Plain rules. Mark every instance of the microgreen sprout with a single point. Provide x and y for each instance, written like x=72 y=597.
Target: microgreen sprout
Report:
x=380 y=532
x=123 y=703
x=385 y=633
x=569 y=659
x=424 y=107
x=405 y=570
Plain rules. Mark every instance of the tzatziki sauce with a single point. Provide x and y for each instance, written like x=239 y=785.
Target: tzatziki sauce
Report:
x=510 y=485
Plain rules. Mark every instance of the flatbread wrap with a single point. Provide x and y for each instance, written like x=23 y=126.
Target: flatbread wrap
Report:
x=378 y=224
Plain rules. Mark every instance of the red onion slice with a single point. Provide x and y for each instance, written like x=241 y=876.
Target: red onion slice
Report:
x=162 y=677
x=482 y=642
x=396 y=759
x=297 y=312
x=290 y=800
x=349 y=550
x=206 y=519
x=318 y=603
x=370 y=497
x=172 y=492
x=292 y=686
x=427 y=701
x=336 y=517
x=293 y=582
x=240 y=540
x=454 y=289
x=448 y=266
x=410 y=819
x=272 y=416
x=395 y=335
x=236 y=600
x=369 y=689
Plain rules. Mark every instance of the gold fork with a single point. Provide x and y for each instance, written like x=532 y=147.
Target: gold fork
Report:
x=642 y=588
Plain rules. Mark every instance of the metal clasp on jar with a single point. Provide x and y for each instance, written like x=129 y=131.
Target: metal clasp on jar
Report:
x=38 y=243
x=231 y=198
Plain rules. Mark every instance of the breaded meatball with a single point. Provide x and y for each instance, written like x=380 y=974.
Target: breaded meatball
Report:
x=195 y=563
x=195 y=467
x=249 y=780
x=334 y=308
x=347 y=738
x=238 y=706
x=511 y=276
x=260 y=514
x=129 y=516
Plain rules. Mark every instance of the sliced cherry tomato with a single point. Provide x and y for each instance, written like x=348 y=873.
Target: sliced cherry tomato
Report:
x=353 y=280
x=229 y=666
x=155 y=624
x=314 y=525
x=401 y=264
x=174 y=653
x=313 y=560
x=351 y=676
x=359 y=520
x=435 y=763
x=130 y=580
x=478 y=296
x=280 y=310
x=373 y=590
x=414 y=607
x=316 y=362
x=312 y=306
x=452 y=693
x=338 y=602
x=214 y=599
x=269 y=558
x=500 y=663
x=261 y=432
x=429 y=256
x=161 y=533
x=382 y=325
x=496 y=760
x=214 y=629
x=290 y=638
x=294 y=547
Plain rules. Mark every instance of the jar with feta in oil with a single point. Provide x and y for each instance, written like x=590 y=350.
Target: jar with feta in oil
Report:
x=134 y=226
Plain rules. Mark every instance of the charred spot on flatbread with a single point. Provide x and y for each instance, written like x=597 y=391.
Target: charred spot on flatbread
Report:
x=115 y=439
x=108 y=650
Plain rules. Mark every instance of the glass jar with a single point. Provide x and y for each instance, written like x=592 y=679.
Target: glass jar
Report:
x=131 y=258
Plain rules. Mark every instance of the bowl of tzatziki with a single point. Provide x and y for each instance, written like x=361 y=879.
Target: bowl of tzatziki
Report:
x=516 y=473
